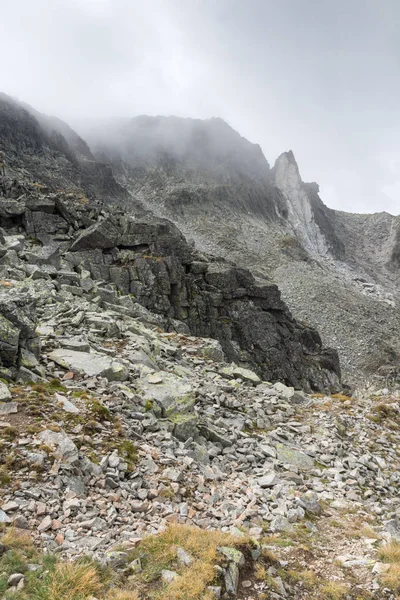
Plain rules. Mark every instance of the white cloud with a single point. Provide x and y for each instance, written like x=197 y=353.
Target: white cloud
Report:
x=319 y=78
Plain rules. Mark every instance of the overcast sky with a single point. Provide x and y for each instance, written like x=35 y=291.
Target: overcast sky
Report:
x=320 y=77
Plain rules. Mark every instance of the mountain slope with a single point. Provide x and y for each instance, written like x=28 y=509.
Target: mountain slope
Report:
x=339 y=272
x=46 y=150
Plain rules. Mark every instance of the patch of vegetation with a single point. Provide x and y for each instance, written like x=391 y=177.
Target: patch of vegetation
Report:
x=127 y=450
x=160 y=552
x=99 y=411
x=390 y=553
x=333 y=590
x=5 y=478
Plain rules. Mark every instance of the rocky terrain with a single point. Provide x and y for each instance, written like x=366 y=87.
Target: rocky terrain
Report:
x=168 y=430
x=337 y=271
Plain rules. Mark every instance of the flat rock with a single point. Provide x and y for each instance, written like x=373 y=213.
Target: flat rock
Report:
x=244 y=374
x=268 y=480
x=298 y=459
x=173 y=394
x=90 y=364
x=66 y=404
x=8 y=408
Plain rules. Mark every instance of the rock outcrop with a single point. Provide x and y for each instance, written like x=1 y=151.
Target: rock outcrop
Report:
x=147 y=258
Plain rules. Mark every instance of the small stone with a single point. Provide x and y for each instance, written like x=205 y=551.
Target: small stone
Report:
x=136 y=566
x=20 y=522
x=279 y=523
x=14 y=579
x=268 y=480
x=4 y=518
x=216 y=591
x=173 y=474
x=66 y=404
x=154 y=378
x=45 y=524
x=184 y=557
x=10 y=506
x=168 y=576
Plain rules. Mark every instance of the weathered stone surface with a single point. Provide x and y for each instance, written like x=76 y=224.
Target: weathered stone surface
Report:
x=244 y=374
x=65 y=448
x=17 y=325
x=298 y=459
x=5 y=393
x=8 y=408
x=66 y=404
x=91 y=364
x=173 y=394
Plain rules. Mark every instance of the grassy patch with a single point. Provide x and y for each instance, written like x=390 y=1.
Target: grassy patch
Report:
x=390 y=553
x=333 y=590
x=160 y=552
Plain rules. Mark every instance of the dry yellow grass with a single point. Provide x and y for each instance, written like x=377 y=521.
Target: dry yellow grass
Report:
x=332 y=590
x=390 y=553
x=17 y=539
x=391 y=579
x=341 y=397
x=368 y=532
x=121 y=595
x=193 y=580
x=70 y=581
x=307 y=577
x=260 y=572
x=270 y=555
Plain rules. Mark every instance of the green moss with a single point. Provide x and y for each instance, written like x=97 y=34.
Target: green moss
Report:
x=148 y=405
x=98 y=410
x=127 y=450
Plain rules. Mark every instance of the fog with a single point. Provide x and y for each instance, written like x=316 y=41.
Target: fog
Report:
x=318 y=77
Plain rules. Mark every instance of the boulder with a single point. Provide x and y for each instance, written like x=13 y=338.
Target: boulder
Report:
x=90 y=364
x=65 y=449
x=5 y=394
x=293 y=457
x=174 y=397
x=17 y=326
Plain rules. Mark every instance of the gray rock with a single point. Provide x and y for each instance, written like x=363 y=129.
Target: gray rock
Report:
x=14 y=579
x=168 y=576
x=5 y=394
x=4 y=518
x=8 y=408
x=92 y=365
x=232 y=572
x=183 y=557
x=66 y=404
x=65 y=449
x=298 y=459
x=268 y=480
